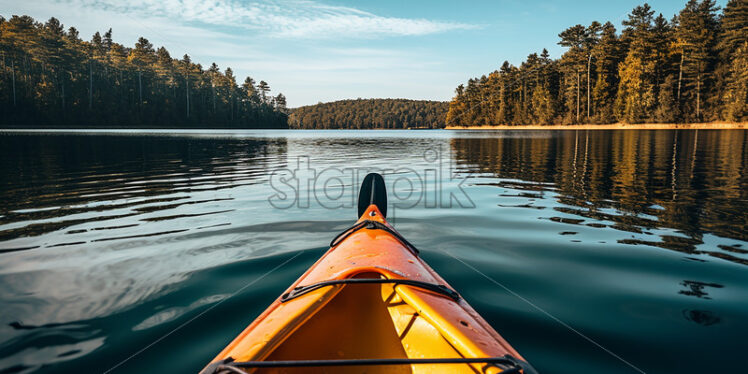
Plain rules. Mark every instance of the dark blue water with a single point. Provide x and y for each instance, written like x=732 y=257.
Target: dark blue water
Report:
x=584 y=249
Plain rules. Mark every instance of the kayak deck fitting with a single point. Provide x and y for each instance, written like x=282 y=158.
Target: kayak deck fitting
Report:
x=369 y=304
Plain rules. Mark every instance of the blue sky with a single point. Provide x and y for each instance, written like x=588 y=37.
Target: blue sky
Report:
x=319 y=50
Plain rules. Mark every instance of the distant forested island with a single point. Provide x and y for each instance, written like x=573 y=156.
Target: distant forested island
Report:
x=692 y=68
x=370 y=114
x=53 y=78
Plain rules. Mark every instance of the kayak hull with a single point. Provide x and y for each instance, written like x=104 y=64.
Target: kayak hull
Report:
x=370 y=321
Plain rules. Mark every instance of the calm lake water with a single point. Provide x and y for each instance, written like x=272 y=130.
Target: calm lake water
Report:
x=635 y=239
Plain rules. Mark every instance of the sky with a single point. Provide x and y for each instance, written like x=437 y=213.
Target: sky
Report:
x=321 y=50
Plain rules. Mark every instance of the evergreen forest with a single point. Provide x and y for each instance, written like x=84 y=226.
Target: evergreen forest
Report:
x=690 y=68
x=370 y=114
x=51 y=77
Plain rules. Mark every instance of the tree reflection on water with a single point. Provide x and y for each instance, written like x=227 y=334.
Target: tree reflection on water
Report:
x=690 y=182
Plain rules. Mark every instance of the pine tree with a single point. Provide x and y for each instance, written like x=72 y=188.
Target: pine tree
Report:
x=107 y=40
x=608 y=56
x=662 y=40
x=280 y=102
x=142 y=56
x=505 y=113
x=696 y=38
x=456 y=108
x=733 y=53
x=214 y=76
x=592 y=38
x=264 y=88
x=635 y=99
x=574 y=38
x=736 y=95
x=250 y=91
x=542 y=100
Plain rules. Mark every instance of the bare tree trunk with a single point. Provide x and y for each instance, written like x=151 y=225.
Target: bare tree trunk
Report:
x=187 y=88
x=680 y=74
x=140 y=87
x=27 y=71
x=90 y=85
x=698 y=91
x=124 y=90
x=578 y=97
x=524 y=100
x=589 y=62
x=13 y=75
x=25 y=67
x=62 y=85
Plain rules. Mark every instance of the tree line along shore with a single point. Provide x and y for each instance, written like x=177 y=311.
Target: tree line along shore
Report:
x=51 y=77
x=692 y=68
x=614 y=126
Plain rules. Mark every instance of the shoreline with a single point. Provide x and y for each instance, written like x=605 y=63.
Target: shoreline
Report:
x=615 y=126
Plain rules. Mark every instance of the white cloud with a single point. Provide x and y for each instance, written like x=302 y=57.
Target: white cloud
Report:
x=289 y=19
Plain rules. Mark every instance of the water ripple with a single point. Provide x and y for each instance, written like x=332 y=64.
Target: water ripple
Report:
x=109 y=240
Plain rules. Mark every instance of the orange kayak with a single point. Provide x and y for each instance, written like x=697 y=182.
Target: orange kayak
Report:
x=370 y=304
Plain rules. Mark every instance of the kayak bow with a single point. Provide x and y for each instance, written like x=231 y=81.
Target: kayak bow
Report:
x=370 y=304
